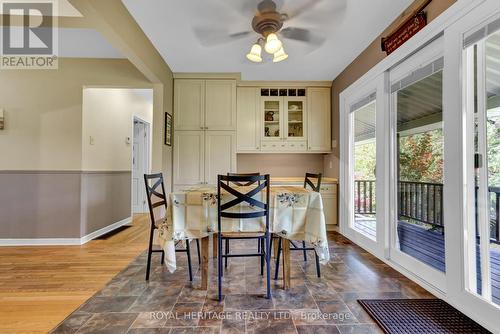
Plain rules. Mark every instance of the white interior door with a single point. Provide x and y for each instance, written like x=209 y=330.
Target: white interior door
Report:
x=140 y=162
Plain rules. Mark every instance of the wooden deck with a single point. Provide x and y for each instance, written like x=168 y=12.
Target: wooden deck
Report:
x=428 y=247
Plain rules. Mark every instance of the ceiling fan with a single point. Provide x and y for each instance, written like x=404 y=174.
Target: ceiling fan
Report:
x=267 y=22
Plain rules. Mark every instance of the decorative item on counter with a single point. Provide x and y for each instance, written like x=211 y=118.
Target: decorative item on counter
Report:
x=267 y=131
x=168 y=129
x=270 y=116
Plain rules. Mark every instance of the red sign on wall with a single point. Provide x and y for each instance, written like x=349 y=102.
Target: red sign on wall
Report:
x=404 y=33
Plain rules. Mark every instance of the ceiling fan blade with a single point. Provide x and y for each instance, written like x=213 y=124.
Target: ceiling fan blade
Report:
x=294 y=12
x=248 y=8
x=213 y=36
x=302 y=35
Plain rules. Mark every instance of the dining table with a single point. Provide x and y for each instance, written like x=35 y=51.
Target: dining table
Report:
x=295 y=213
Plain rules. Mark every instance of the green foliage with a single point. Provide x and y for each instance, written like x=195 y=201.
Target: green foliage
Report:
x=421 y=157
x=365 y=161
x=493 y=137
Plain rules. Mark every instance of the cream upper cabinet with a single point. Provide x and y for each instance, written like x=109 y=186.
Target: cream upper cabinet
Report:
x=319 y=119
x=248 y=119
x=220 y=154
x=272 y=118
x=189 y=104
x=220 y=105
x=204 y=104
x=189 y=157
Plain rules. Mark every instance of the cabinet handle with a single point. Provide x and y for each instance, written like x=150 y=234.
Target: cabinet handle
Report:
x=201 y=127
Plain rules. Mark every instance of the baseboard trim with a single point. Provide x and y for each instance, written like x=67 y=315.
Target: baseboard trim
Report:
x=104 y=230
x=64 y=241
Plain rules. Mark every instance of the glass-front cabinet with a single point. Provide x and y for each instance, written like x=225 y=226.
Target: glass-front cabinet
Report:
x=284 y=119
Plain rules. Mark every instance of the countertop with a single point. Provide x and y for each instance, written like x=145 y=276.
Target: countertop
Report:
x=300 y=180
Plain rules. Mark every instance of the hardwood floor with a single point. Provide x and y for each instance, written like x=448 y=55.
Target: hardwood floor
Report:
x=40 y=286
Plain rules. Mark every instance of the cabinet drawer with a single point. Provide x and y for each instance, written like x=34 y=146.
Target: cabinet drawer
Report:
x=328 y=189
x=273 y=146
x=296 y=145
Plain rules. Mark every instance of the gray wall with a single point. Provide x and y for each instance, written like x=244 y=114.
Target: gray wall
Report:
x=61 y=204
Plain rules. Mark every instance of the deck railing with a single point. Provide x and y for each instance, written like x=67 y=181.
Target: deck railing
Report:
x=421 y=201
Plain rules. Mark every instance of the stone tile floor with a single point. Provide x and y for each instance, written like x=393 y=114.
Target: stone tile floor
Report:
x=169 y=303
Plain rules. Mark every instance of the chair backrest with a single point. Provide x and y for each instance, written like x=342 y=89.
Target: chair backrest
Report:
x=225 y=182
x=155 y=192
x=244 y=174
x=309 y=181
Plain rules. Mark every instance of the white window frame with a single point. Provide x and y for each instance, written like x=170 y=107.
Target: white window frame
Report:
x=456 y=21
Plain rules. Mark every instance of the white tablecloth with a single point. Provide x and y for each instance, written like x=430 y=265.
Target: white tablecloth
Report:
x=295 y=214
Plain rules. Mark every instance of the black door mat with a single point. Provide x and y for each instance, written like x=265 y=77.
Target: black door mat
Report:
x=407 y=316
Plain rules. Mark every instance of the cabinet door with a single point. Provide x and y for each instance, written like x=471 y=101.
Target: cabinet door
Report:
x=295 y=122
x=220 y=154
x=220 y=105
x=272 y=118
x=189 y=165
x=248 y=119
x=189 y=104
x=319 y=119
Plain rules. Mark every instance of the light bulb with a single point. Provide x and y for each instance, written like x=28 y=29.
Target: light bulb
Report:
x=255 y=53
x=280 y=55
x=273 y=44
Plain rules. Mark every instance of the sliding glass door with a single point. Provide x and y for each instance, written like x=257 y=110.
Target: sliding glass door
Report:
x=483 y=108
x=417 y=228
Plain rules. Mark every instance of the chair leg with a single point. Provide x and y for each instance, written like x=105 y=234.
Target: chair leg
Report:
x=219 y=265
x=305 y=252
x=198 y=249
x=262 y=253
x=258 y=246
x=150 y=251
x=162 y=257
x=188 y=252
x=268 y=263
x=278 y=259
x=318 y=271
x=226 y=253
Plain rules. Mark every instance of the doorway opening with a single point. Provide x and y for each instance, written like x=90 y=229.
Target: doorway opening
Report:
x=140 y=164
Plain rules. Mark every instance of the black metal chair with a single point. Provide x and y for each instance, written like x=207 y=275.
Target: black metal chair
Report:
x=156 y=188
x=224 y=182
x=226 y=239
x=308 y=181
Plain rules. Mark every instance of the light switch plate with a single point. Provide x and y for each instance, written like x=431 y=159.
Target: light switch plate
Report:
x=91 y=140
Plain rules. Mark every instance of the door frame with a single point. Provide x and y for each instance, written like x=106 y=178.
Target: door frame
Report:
x=426 y=55
x=456 y=21
x=346 y=198
x=146 y=158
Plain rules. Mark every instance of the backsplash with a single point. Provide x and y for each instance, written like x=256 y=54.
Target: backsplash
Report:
x=280 y=165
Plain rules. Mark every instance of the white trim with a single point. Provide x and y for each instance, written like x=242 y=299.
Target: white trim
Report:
x=40 y=242
x=104 y=230
x=64 y=241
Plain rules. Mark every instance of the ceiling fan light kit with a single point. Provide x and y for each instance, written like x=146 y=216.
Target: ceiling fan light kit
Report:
x=273 y=44
x=280 y=55
x=255 y=53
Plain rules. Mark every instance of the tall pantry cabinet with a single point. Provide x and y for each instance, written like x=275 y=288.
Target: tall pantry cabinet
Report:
x=204 y=130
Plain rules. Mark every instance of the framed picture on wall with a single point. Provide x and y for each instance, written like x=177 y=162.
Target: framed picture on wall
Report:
x=168 y=129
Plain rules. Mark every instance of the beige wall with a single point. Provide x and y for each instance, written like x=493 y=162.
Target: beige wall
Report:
x=108 y=118
x=371 y=56
x=280 y=165
x=43 y=111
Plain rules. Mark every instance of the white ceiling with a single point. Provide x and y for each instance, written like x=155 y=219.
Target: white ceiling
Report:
x=347 y=26
x=85 y=43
